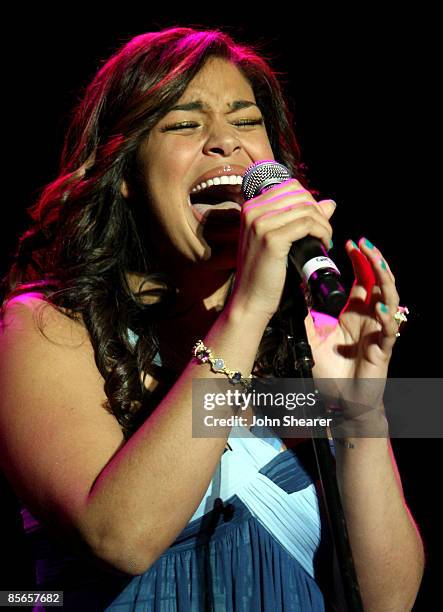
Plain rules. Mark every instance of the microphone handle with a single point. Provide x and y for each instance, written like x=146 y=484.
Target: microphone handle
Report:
x=318 y=271
x=319 y=274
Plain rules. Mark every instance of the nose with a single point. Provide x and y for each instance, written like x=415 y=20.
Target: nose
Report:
x=221 y=141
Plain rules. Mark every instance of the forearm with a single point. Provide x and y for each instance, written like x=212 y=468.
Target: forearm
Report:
x=147 y=493
x=385 y=542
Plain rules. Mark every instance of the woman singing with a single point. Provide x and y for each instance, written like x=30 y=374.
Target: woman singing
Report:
x=141 y=248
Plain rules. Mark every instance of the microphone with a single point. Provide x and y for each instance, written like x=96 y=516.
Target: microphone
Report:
x=308 y=255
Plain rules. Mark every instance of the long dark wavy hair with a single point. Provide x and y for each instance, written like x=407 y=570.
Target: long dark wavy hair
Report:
x=85 y=236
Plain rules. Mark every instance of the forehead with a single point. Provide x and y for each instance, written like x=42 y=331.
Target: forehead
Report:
x=218 y=81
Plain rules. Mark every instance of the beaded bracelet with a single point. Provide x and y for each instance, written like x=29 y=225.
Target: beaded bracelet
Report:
x=203 y=354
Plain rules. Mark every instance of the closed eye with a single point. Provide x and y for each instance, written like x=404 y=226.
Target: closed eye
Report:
x=184 y=125
x=246 y=122
x=179 y=126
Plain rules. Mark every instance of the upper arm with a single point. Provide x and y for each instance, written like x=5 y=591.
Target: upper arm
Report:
x=55 y=435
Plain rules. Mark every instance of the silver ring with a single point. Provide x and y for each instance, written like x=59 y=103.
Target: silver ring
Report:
x=400 y=317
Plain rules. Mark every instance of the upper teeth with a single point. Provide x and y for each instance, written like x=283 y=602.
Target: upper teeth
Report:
x=219 y=180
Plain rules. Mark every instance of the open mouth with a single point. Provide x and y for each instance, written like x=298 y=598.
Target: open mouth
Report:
x=211 y=196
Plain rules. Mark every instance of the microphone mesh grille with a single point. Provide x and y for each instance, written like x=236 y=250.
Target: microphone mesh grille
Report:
x=262 y=175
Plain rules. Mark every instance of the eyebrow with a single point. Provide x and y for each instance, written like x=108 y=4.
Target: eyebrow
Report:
x=198 y=105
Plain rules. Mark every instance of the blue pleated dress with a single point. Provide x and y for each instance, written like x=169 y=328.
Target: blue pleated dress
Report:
x=257 y=542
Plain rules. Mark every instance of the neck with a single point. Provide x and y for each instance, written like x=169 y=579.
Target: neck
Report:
x=200 y=300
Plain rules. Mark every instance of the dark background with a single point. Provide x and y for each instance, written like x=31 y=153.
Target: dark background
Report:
x=361 y=85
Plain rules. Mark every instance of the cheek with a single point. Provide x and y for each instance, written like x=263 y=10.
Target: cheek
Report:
x=163 y=159
x=270 y=153
x=269 y=148
x=165 y=192
x=170 y=169
x=263 y=149
x=162 y=176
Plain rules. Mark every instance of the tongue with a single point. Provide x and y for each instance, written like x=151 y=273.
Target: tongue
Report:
x=204 y=208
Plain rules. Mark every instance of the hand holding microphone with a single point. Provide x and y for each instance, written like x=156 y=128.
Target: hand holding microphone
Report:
x=307 y=255
x=281 y=222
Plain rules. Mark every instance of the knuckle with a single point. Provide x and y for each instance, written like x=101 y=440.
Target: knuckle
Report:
x=257 y=226
x=310 y=223
x=315 y=211
x=266 y=241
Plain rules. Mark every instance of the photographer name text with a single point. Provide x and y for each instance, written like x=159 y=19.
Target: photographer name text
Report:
x=241 y=421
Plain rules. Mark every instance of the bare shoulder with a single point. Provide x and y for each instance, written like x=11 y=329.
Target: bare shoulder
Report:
x=39 y=341
x=55 y=433
x=29 y=313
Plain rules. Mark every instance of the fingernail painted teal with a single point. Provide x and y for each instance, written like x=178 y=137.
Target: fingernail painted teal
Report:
x=383 y=265
x=383 y=307
x=354 y=245
x=369 y=244
x=331 y=244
